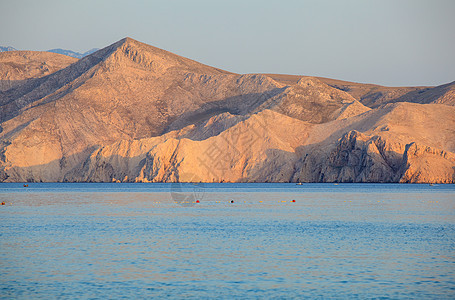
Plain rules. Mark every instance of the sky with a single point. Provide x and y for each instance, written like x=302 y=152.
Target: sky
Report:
x=387 y=42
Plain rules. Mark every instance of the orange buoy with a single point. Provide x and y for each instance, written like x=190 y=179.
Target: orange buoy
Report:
x=292 y=200
x=3 y=203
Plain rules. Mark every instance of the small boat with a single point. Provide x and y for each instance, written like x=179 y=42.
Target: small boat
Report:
x=299 y=183
x=431 y=184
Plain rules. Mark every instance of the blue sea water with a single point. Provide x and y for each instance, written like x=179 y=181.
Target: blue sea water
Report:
x=345 y=241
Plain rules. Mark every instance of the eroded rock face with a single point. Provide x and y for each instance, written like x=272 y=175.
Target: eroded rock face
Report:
x=135 y=113
x=422 y=164
x=360 y=158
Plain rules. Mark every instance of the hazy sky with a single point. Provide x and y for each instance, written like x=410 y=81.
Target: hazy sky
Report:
x=389 y=42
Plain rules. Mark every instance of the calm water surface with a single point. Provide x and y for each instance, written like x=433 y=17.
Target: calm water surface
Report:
x=152 y=241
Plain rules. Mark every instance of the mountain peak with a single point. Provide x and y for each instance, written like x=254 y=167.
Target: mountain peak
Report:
x=129 y=40
x=126 y=41
x=128 y=50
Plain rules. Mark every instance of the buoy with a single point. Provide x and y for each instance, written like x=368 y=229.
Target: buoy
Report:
x=232 y=201
x=3 y=203
x=25 y=185
x=197 y=201
x=292 y=200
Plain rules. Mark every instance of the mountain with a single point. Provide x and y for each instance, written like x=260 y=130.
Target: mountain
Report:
x=73 y=53
x=133 y=112
x=7 y=48
x=58 y=51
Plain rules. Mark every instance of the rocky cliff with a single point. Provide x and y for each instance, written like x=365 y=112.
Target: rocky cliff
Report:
x=135 y=113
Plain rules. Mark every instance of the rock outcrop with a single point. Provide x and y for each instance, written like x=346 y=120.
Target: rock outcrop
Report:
x=423 y=164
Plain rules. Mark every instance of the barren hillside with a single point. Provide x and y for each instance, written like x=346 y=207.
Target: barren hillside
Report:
x=373 y=95
x=18 y=66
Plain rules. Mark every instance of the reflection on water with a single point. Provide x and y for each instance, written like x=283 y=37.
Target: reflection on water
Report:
x=112 y=241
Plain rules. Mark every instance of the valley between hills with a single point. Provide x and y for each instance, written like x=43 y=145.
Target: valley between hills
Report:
x=131 y=112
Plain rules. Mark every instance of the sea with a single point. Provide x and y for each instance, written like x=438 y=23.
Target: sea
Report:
x=227 y=241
